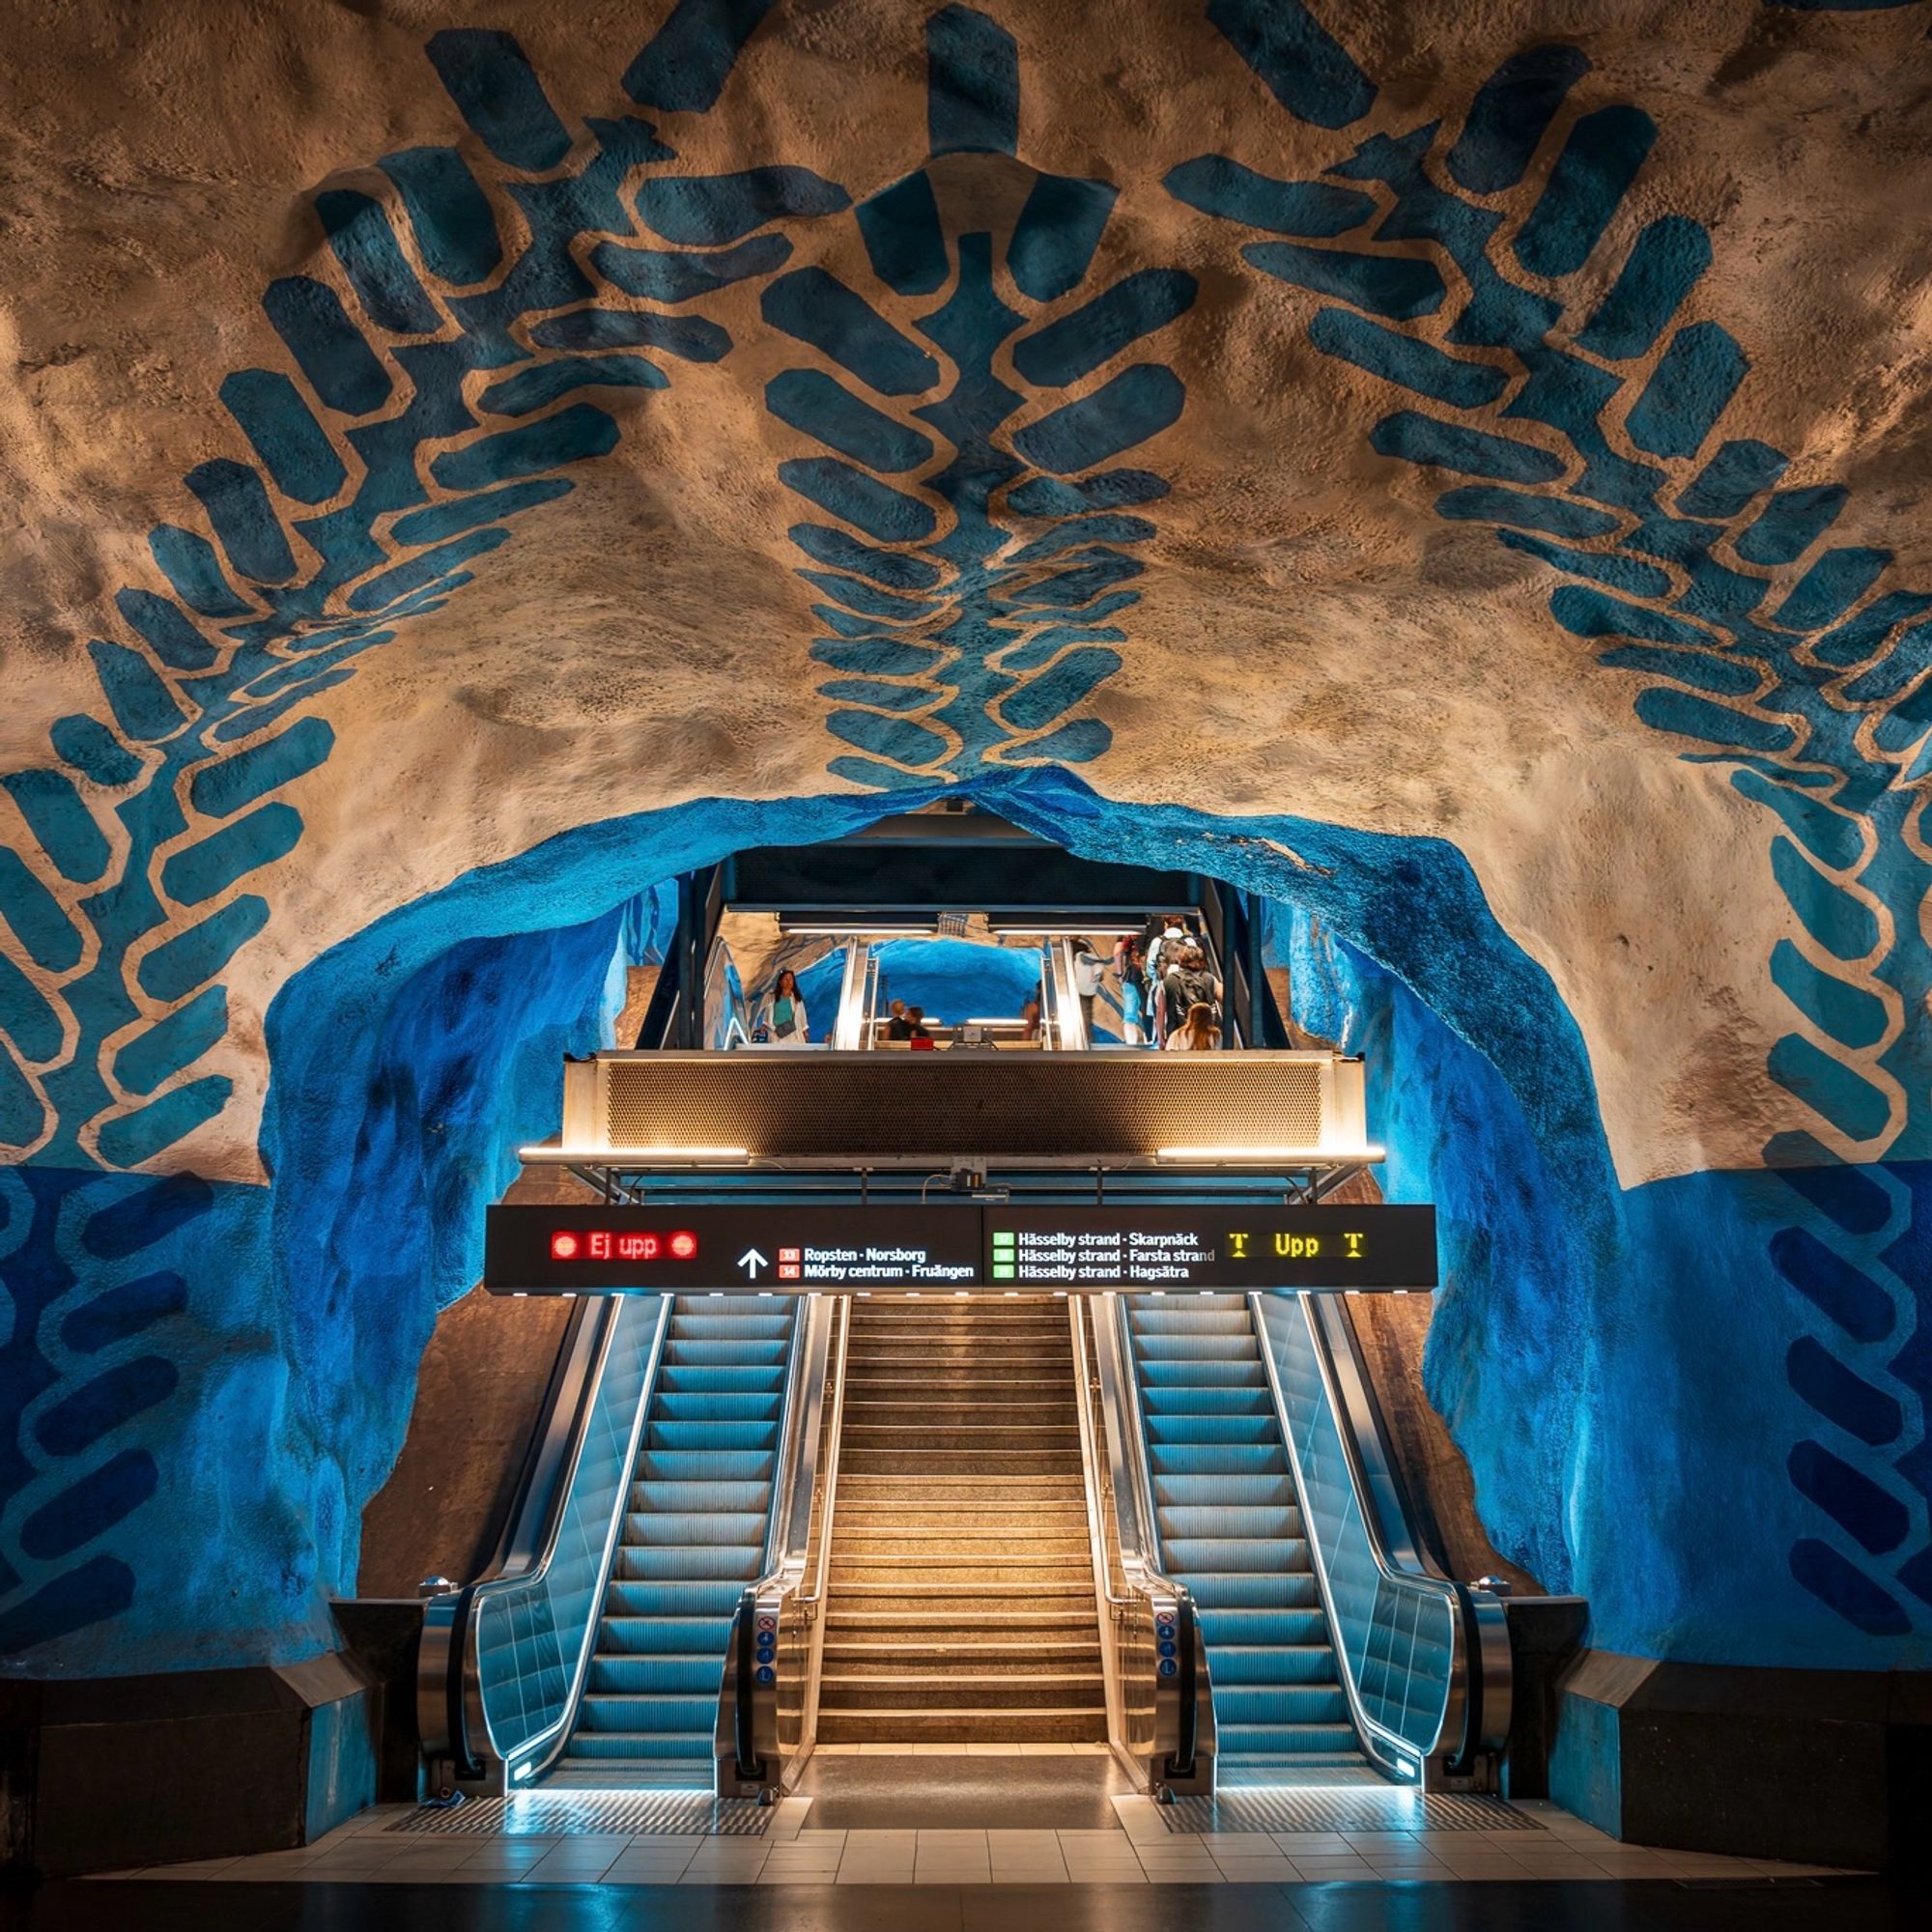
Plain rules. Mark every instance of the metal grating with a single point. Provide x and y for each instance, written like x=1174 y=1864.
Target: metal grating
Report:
x=885 y=1105
x=1314 y=1808
x=564 y=1814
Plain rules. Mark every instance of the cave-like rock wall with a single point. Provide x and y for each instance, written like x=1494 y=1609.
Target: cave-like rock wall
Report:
x=1449 y=468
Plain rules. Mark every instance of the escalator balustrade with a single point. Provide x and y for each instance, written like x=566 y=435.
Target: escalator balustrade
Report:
x=1231 y=1529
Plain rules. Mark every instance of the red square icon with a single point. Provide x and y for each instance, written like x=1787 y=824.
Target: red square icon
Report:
x=790 y=1255
x=790 y=1271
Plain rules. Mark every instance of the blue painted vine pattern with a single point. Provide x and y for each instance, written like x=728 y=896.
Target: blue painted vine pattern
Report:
x=1592 y=440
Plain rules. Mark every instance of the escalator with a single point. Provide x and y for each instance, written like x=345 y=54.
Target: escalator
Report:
x=1231 y=1531
x=693 y=1536
x=1338 y=1647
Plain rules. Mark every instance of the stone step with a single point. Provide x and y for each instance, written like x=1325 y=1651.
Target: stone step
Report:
x=954 y=1486
x=1004 y=1467
x=936 y=1616
x=937 y=1414
x=1015 y=1574
x=854 y=1657
x=915 y=1543
x=940 y=1434
x=905 y=1356
x=957 y=1690
x=1080 y=1723
x=961 y=1513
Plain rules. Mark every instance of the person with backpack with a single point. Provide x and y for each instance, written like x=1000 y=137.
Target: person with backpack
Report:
x=1186 y=984
x=1165 y=951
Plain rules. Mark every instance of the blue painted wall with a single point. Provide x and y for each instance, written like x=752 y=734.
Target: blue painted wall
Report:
x=1617 y=1367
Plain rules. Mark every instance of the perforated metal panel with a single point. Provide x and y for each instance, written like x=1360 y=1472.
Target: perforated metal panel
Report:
x=891 y=1105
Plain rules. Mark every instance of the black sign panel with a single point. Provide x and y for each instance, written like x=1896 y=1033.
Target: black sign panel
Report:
x=593 y=1249
x=1218 y=1246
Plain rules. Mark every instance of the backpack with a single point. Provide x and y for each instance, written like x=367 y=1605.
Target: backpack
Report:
x=1154 y=952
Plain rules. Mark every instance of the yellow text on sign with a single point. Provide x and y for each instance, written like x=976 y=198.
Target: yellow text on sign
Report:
x=1295 y=1247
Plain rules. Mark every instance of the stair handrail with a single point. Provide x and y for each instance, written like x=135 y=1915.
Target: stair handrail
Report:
x=1097 y=1494
x=827 y=1483
x=1475 y=1694
x=452 y=1711
x=1137 y=1527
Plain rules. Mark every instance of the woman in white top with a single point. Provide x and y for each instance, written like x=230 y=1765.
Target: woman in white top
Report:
x=1196 y=1033
x=783 y=1015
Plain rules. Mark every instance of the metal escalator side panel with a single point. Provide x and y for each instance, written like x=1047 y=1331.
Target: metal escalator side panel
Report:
x=1481 y=1702
x=1165 y=1667
x=514 y=1644
x=761 y=1684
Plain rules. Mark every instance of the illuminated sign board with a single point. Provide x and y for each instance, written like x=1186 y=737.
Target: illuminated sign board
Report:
x=949 y=1245
x=1221 y=1247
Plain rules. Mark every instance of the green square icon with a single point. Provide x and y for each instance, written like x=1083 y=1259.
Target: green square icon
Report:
x=1003 y=1237
x=1003 y=1271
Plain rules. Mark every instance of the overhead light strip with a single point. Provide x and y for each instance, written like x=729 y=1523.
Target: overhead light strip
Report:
x=1297 y=1155
x=603 y=1155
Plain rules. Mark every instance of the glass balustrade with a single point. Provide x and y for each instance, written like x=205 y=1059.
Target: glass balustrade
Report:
x=1394 y=1631
x=530 y=1632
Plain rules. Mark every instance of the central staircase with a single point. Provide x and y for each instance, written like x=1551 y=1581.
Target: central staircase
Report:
x=961 y=1605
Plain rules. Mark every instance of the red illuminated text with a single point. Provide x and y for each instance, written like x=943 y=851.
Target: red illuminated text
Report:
x=601 y=1244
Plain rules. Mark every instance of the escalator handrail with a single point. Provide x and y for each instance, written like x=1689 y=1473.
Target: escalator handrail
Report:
x=1090 y=1458
x=803 y=1397
x=1092 y=1453
x=782 y=1562
x=1144 y=1572
x=1127 y=1457
x=1355 y=1417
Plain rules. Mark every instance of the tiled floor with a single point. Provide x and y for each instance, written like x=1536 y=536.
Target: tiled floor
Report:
x=1138 y=1849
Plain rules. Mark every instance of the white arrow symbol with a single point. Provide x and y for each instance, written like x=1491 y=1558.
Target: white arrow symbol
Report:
x=751 y=1261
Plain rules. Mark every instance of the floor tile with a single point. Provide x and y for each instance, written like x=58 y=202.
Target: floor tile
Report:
x=1327 y=1868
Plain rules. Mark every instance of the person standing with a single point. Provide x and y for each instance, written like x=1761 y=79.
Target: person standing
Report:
x=1088 y=974
x=1133 y=979
x=1162 y=954
x=783 y=1014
